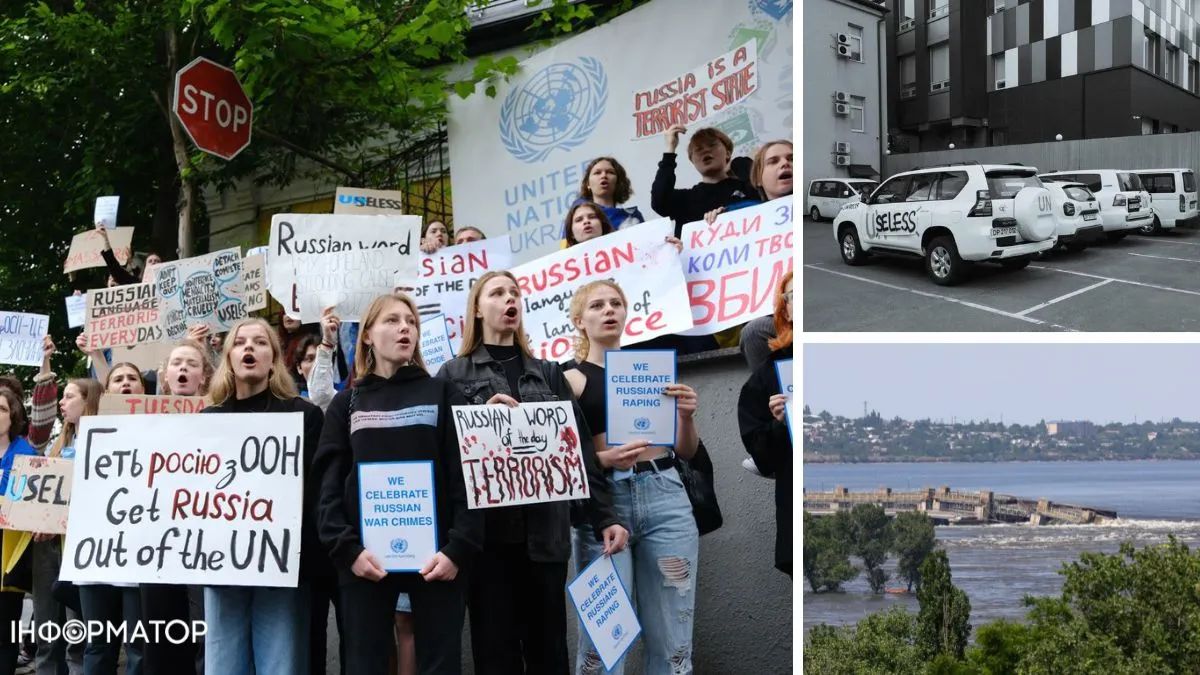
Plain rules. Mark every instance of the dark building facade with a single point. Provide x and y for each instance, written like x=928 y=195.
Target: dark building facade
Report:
x=998 y=72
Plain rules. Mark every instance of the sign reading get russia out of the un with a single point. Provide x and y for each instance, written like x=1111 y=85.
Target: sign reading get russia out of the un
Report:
x=523 y=152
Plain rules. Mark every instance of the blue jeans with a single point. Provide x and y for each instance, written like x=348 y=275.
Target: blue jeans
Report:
x=114 y=605
x=256 y=631
x=658 y=568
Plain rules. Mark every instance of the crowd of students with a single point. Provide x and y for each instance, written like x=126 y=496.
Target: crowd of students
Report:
x=507 y=565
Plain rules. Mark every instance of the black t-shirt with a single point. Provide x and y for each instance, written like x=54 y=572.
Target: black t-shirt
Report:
x=506 y=525
x=591 y=401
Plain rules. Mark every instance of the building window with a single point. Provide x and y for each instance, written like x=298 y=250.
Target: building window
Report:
x=856 y=42
x=998 y=70
x=939 y=67
x=1150 y=45
x=1194 y=76
x=938 y=8
x=858 y=119
x=1171 y=72
x=908 y=76
x=998 y=6
x=907 y=16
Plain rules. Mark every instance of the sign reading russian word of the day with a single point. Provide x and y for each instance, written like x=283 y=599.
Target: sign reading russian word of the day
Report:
x=21 y=337
x=204 y=290
x=637 y=408
x=524 y=455
x=734 y=266
x=214 y=500
x=344 y=262
x=363 y=202
x=122 y=315
x=86 y=248
x=694 y=96
x=783 y=370
x=76 y=310
x=399 y=513
x=145 y=404
x=435 y=343
x=38 y=494
x=444 y=279
x=254 y=284
x=605 y=610
x=105 y=213
x=637 y=258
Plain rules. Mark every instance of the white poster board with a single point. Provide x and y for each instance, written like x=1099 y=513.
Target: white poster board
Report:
x=605 y=610
x=21 y=337
x=203 y=290
x=254 y=283
x=122 y=315
x=105 y=213
x=637 y=408
x=783 y=371
x=435 y=343
x=76 y=310
x=398 y=511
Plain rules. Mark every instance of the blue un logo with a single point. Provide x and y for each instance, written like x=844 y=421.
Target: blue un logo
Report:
x=641 y=423
x=558 y=107
x=399 y=545
x=617 y=632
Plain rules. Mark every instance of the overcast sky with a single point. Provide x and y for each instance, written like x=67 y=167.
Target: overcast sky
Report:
x=1023 y=382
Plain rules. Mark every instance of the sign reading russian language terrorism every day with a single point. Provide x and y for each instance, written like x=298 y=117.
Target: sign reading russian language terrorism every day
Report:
x=399 y=513
x=344 y=262
x=605 y=610
x=204 y=290
x=86 y=248
x=21 y=337
x=122 y=315
x=444 y=279
x=734 y=266
x=637 y=258
x=213 y=500
x=637 y=408
x=363 y=202
x=517 y=159
x=145 y=404
x=529 y=454
x=698 y=94
x=38 y=494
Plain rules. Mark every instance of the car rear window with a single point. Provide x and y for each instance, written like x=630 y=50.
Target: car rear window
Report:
x=1158 y=183
x=1079 y=194
x=1129 y=182
x=1189 y=181
x=1006 y=185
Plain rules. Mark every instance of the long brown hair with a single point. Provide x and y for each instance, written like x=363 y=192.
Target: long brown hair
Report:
x=579 y=302
x=605 y=226
x=125 y=364
x=623 y=189
x=364 y=355
x=756 y=170
x=206 y=366
x=473 y=332
x=279 y=380
x=783 y=326
x=90 y=390
x=17 y=417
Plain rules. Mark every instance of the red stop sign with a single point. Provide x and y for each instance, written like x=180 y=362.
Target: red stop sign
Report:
x=213 y=108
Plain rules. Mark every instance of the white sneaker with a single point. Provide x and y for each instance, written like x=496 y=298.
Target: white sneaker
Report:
x=749 y=465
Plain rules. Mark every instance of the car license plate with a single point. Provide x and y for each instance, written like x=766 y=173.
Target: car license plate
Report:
x=1089 y=216
x=1004 y=231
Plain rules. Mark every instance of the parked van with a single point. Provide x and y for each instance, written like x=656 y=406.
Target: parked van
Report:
x=826 y=196
x=1124 y=204
x=1173 y=197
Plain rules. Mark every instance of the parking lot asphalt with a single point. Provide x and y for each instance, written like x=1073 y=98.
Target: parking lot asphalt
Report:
x=1141 y=283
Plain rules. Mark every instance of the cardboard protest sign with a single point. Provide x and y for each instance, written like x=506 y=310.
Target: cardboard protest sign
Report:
x=444 y=279
x=524 y=455
x=694 y=96
x=21 y=338
x=214 y=500
x=76 y=310
x=86 y=248
x=734 y=266
x=145 y=404
x=435 y=343
x=345 y=262
x=144 y=355
x=204 y=290
x=254 y=283
x=122 y=315
x=605 y=610
x=783 y=371
x=106 y=211
x=363 y=202
x=38 y=494
x=397 y=505
x=637 y=408
x=637 y=258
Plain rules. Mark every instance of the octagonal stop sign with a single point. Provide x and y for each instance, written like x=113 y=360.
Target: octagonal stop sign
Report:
x=213 y=108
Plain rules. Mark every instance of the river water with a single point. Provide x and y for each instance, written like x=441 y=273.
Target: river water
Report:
x=998 y=564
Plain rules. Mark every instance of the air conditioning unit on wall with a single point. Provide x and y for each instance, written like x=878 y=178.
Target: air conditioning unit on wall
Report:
x=841 y=109
x=843 y=38
x=841 y=97
x=841 y=147
x=841 y=160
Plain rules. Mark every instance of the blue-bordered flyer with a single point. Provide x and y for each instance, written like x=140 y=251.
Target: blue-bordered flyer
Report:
x=783 y=370
x=605 y=610
x=435 y=342
x=398 y=513
x=635 y=405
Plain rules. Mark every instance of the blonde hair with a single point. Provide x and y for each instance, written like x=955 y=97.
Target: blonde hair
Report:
x=279 y=380
x=206 y=366
x=90 y=390
x=756 y=169
x=578 y=302
x=473 y=332
x=364 y=355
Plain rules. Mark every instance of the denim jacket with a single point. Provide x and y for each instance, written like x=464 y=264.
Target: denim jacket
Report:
x=479 y=376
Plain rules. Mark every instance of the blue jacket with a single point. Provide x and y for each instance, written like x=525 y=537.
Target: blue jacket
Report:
x=617 y=215
x=19 y=446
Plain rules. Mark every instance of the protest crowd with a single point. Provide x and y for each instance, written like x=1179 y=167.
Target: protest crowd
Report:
x=413 y=461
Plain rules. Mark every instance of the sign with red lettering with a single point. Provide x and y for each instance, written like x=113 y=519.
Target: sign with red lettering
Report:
x=638 y=258
x=37 y=495
x=213 y=108
x=734 y=266
x=122 y=315
x=215 y=499
x=144 y=404
x=87 y=247
x=694 y=96
x=529 y=454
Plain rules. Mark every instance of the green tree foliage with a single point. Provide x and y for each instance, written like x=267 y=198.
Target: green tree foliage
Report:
x=884 y=643
x=827 y=552
x=871 y=539
x=912 y=541
x=944 y=621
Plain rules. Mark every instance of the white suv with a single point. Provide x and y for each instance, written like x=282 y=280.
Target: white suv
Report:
x=1172 y=196
x=1124 y=204
x=1077 y=213
x=952 y=215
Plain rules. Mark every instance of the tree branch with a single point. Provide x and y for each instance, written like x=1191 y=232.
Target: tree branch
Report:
x=386 y=34
x=306 y=153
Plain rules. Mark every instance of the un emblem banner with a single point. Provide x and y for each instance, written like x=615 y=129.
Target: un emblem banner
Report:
x=558 y=108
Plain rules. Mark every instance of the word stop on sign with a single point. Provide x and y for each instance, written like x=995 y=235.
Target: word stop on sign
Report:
x=227 y=115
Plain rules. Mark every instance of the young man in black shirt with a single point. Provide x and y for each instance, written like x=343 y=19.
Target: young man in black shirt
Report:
x=711 y=152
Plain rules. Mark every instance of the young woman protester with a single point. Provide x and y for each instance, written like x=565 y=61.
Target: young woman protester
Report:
x=606 y=184
x=763 y=425
x=434 y=236
x=660 y=564
x=396 y=412
x=518 y=616
x=586 y=221
x=15 y=583
x=251 y=628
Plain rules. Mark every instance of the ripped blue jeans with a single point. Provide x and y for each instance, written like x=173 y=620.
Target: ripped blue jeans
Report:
x=658 y=569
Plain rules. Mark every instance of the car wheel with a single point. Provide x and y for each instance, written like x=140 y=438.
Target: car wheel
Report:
x=815 y=214
x=1154 y=226
x=943 y=263
x=852 y=251
x=1016 y=263
x=1115 y=236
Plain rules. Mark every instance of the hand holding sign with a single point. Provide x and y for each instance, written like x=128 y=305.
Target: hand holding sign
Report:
x=621 y=457
x=778 y=405
x=368 y=567
x=440 y=568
